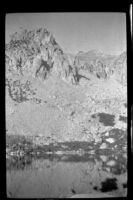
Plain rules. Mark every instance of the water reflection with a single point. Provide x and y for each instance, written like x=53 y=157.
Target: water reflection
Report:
x=53 y=175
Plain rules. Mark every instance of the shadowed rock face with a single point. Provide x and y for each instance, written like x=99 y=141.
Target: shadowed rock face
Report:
x=43 y=69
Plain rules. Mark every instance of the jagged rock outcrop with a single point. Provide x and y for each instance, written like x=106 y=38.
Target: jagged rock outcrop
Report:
x=120 y=68
x=38 y=54
x=92 y=62
x=103 y=66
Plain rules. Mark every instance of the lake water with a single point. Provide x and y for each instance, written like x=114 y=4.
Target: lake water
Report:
x=64 y=175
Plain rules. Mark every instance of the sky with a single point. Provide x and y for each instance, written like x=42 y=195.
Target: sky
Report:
x=76 y=32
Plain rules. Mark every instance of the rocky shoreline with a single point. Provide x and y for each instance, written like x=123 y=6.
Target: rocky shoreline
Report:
x=113 y=145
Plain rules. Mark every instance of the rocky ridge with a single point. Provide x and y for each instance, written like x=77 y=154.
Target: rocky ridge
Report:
x=37 y=53
x=102 y=65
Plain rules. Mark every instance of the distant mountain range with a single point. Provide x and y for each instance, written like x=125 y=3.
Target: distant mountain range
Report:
x=93 y=55
x=95 y=60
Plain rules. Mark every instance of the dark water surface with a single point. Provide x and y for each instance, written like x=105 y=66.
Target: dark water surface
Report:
x=64 y=169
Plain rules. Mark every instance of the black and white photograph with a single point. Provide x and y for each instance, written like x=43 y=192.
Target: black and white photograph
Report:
x=66 y=105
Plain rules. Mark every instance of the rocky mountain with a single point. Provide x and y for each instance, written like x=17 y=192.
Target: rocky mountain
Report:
x=102 y=65
x=38 y=54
